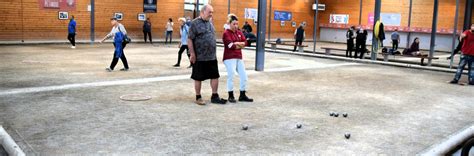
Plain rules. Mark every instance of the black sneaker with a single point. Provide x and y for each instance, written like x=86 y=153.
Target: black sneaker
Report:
x=176 y=65
x=471 y=83
x=453 y=82
x=218 y=100
x=124 y=69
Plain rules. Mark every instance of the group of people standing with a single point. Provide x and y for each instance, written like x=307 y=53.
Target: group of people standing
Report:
x=360 y=37
x=202 y=47
x=168 y=34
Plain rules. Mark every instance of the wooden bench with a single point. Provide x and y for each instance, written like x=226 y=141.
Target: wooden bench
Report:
x=300 y=47
x=329 y=49
x=422 y=57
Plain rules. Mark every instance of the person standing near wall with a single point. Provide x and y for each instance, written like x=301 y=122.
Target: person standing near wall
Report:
x=72 y=32
x=147 y=30
x=234 y=41
x=300 y=35
x=361 y=40
x=202 y=46
x=183 y=32
x=350 y=41
x=247 y=27
x=467 y=57
x=169 y=30
x=119 y=45
x=395 y=40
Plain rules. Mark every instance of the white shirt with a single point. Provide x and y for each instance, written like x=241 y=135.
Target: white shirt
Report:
x=169 y=26
x=226 y=26
x=116 y=29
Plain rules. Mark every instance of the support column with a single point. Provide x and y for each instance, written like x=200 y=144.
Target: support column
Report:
x=433 y=31
x=261 y=26
x=468 y=15
x=270 y=21
x=228 y=7
x=198 y=11
x=315 y=25
x=92 y=21
x=409 y=24
x=375 y=44
x=454 y=33
x=360 y=12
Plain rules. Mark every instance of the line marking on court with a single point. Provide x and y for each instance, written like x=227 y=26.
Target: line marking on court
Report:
x=153 y=79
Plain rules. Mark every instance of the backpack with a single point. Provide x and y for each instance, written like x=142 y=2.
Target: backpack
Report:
x=278 y=41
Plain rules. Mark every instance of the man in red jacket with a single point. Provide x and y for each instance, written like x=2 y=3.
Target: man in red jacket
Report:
x=467 y=56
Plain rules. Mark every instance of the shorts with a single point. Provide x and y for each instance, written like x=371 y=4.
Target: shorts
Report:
x=203 y=70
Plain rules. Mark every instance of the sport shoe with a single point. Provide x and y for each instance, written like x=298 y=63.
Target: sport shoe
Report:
x=108 y=69
x=218 y=100
x=200 y=102
x=124 y=69
x=73 y=47
x=453 y=82
x=471 y=83
x=176 y=65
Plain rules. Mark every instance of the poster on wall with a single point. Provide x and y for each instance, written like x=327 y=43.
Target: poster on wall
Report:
x=339 y=19
x=251 y=13
x=63 y=15
x=63 y=5
x=391 y=19
x=141 y=17
x=388 y=19
x=282 y=16
x=149 y=6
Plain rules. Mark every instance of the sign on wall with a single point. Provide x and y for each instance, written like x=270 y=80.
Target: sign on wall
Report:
x=63 y=5
x=251 y=13
x=282 y=16
x=388 y=19
x=391 y=19
x=339 y=18
x=149 y=6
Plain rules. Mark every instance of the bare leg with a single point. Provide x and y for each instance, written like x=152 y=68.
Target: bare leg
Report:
x=214 y=85
x=197 y=87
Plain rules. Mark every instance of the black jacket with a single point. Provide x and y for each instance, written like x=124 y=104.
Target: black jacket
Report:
x=361 y=36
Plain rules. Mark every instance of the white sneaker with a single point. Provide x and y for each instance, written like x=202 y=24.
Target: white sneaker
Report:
x=73 y=47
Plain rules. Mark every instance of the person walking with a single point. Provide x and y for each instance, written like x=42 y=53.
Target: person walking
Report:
x=117 y=29
x=361 y=40
x=234 y=40
x=72 y=32
x=467 y=57
x=169 y=30
x=202 y=47
x=350 y=41
x=300 y=35
x=395 y=40
x=147 y=30
x=183 y=32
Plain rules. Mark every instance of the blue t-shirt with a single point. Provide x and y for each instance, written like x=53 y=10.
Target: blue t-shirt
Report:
x=184 y=34
x=72 y=27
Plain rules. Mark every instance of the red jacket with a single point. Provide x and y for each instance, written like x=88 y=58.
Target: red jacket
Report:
x=230 y=49
x=468 y=46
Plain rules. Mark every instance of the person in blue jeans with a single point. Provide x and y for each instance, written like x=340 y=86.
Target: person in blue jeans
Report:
x=169 y=30
x=467 y=57
x=72 y=32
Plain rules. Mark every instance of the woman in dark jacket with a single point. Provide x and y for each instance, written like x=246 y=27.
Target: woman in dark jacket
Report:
x=414 y=48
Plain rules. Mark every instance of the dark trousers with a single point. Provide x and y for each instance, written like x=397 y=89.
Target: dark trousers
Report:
x=395 y=45
x=170 y=35
x=123 y=58
x=360 y=48
x=181 y=50
x=72 y=38
x=465 y=60
x=298 y=42
x=145 y=34
x=350 y=48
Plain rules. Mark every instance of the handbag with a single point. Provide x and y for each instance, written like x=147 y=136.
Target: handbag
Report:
x=125 y=39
